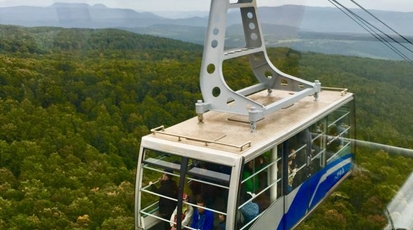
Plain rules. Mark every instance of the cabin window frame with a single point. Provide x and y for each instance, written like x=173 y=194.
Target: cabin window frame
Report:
x=192 y=174
x=315 y=160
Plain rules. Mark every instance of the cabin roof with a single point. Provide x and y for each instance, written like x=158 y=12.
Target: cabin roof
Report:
x=231 y=132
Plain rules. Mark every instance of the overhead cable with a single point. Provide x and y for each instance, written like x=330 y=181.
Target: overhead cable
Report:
x=371 y=31
x=390 y=37
x=381 y=22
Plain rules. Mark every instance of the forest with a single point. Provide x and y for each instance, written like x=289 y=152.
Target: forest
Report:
x=74 y=104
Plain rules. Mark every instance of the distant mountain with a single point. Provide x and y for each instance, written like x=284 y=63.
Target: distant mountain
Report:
x=316 y=29
x=304 y=18
x=181 y=14
x=329 y=19
x=76 y=15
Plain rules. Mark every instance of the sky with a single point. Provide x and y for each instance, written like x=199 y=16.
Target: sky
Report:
x=203 y=5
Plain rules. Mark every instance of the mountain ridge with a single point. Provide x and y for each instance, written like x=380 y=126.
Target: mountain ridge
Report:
x=304 y=28
x=305 y=18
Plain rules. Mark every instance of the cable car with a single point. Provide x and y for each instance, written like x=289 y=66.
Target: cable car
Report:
x=279 y=147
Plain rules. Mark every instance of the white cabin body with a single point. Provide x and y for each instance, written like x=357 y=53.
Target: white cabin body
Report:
x=294 y=158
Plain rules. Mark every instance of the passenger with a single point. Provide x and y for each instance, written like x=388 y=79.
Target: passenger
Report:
x=292 y=170
x=303 y=157
x=252 y=184
x=250 y=210
x=279 y=175
x=333 y=142
x=187 y=213
x=262 y=176
x=202 y=219
x=222 y=222
x=263 y=202
x=195 y=187
x=304 y=138
x=167 y=188
x=292 y=158
x=316 y=144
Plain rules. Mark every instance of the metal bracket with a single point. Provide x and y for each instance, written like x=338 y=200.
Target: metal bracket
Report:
x=216 y=93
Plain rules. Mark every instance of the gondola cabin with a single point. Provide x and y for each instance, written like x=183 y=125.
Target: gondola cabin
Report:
x=294 y=159
x=262 y=157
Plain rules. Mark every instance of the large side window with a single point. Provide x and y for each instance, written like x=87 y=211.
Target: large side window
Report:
x=299 y=156
x=260 y=186
x=166 y=176
x=318 y=145
x=338 y=133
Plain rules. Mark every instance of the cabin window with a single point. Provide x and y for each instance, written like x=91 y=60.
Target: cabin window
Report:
x=191 y=177
x=318 y=145
x=330 y=138
x=264 y=179
x=338 y=133
x=260 y=183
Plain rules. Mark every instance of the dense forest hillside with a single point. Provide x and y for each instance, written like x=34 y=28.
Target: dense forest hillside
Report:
x=74 y=104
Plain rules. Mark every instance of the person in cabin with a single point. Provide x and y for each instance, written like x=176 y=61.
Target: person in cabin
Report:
x=168 y=188
x=292 y=170
x=252 y=184
x=263 y=202
x=202 y=219
x=261 y=163
x=251 y=209
x=187 y=213
x=222 y=222
x=333 y=141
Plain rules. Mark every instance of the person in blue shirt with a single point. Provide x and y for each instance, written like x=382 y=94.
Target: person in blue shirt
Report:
x=202 y=219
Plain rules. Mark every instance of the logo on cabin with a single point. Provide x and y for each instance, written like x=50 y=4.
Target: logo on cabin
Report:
x=339 y=174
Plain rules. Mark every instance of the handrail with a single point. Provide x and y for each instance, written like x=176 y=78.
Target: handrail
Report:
x=161 y=130
x=343 y=90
